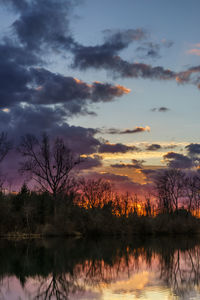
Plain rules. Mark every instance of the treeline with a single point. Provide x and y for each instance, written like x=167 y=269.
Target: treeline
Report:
x=63 y=205
x=40 y=214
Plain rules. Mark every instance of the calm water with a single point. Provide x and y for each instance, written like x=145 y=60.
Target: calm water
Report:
x=103 y=269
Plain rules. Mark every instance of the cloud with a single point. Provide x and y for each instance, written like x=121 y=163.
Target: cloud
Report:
x=120 y=39
x=23 y=79
x=160 y=109
x=90 y=57
x=54 y=88
x=156 y=146
x=152 y=173
x=19 y=5
x=106 y=91
x=15 y=53
x=101 y=55
x=136 y=164
x=149 y=50
x=152 y=49
x=153 y=147
x=38 y=34
x=177 y=160
x=43 y=23
x=135 y=130
x=191 y=75
x=99 y=58
x=148 y=172
x=195 y=50
x=106 y=56
x=90 y=162
x=39 y=86
x=193 y=149
x=116 y=148
x=127 y=131
x=170 y=146
x=121 y=183
x=38 y=119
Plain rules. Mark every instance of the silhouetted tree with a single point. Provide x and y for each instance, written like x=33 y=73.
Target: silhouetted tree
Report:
x=148 y=207
x=95 y=192
x=48 y=163
x=24 y=190
x=192 y=193
x=170 y=189
x=5 y=146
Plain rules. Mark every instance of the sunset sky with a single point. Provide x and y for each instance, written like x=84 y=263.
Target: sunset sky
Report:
x=119 y=80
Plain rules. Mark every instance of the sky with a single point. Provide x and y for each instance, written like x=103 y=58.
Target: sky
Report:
x=119 y=81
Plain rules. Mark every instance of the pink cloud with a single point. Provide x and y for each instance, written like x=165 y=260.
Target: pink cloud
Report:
x=195 y=50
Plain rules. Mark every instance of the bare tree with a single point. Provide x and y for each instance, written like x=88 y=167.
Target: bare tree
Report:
x=95 y=192
x=148 y=206
x=169 y=187
x=192 y=193
x=5 y=146
x=49 y=164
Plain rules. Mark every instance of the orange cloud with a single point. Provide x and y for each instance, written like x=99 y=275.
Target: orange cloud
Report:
x=123 y=89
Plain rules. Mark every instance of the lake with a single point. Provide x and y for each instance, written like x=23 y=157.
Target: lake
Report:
x=107 y=269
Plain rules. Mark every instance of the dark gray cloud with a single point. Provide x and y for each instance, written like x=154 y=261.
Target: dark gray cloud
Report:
x=36 y=120
x=137 y=129
x=149 y=50
x=149 y=173
x=92 y=57
x=177 y=160
x=116 y=148
x=90 y=162
x=160 y=109
x=101 y=56
x=136 y=164
x=153 y=147
x=45 y=26
x=120 y=39
x=40 y=24
x=152 y=49
x=22 y=77
x=163 y=109
x=193 y=149
x=13 y=83
x=51 y=88
x=43 y=23
x=34 y=99
x=191 y=75
x=17 y=54
x=106 y=56
x=42 y=87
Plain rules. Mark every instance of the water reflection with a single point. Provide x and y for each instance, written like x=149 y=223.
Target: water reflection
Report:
x=103 y=269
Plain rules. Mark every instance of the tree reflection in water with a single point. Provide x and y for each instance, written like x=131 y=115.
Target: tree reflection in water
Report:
x=58 y=269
